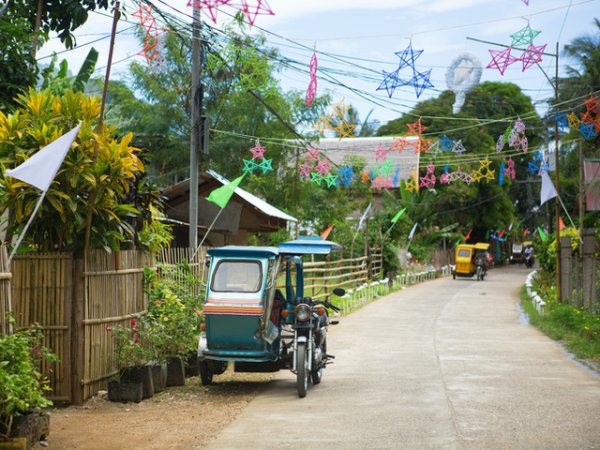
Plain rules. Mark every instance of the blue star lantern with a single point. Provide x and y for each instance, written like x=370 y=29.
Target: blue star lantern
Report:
x=419 y=80
x=587 y=130
x=345 y=176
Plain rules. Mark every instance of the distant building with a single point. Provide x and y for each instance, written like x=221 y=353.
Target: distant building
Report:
x=244 y=214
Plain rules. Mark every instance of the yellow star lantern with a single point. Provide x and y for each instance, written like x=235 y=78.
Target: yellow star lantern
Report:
x=484 y=172
x=336 y=121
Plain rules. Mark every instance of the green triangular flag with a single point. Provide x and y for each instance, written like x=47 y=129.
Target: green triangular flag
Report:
x=222 y=195
x=543 y=236
x=398 y=215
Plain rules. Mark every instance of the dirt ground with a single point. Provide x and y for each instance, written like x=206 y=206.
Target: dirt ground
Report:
x=184 y=417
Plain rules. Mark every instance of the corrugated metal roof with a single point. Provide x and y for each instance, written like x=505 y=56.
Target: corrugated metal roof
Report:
x=265 y=207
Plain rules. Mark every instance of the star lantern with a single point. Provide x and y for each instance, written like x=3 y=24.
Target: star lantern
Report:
x=574 y=121
x=365 y=177
x=330 y=179
x=434 y=148
x=484 y=172
x=500 y=144
x=380 y=153
x=209 y=6
x=411 y=185
x=460 y=176
x=561 y=119
x=419 y=80
x=509 y=172
x=312 y=154
x=305 y=169
x=458 y=147
x=587 y=130
x=446 y=143
x=311 y=92
x=501 y=59
x=428 y=181
x=532 y=55
x=253 y=9
x=524 y=144
x=258 y=151
x=519 y=126
x=399 y=144
x=249 y=166
x=524 y=36
x=266 y=166
x=532 y=167
x=316 y=178
x=323 y=167
x=152 y=33
x=345 y=176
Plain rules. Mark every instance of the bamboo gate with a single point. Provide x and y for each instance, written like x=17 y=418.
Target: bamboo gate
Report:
x=75 y=302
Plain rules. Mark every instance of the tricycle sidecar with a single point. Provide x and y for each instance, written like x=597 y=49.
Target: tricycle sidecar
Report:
x=246 y=314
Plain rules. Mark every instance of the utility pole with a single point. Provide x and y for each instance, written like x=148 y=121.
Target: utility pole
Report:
x=196 y=114
x=554 y=85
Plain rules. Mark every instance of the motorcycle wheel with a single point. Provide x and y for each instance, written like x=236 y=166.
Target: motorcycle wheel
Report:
x=317 y=372
x=301 y=372
x=206 y=376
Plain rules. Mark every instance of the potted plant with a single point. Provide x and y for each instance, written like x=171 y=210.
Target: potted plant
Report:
x=134 y=378
x=22 y=392
x=174 y=318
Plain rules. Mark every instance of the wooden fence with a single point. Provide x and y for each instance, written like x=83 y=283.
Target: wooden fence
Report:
x=74 y=301
x=579 y=277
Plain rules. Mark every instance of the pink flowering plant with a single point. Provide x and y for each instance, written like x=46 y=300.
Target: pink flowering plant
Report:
x=129 y=349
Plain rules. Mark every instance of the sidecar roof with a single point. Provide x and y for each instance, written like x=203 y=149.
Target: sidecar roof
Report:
x=308 y=245
x=304 y=245
x=242 y=251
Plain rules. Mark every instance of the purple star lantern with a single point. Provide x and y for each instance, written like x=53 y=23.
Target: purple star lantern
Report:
x=419 y=80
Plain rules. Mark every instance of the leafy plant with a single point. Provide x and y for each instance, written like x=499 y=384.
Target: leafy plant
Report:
x=174 y=315
x=130 y=351
x=23 y=388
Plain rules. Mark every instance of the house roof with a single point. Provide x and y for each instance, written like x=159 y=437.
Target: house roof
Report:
x=244 y=211
x=265 y=207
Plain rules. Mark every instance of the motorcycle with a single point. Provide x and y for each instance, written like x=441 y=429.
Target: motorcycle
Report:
x=310 y=340
x=257 y=326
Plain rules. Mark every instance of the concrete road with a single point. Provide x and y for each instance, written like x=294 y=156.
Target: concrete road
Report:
x=447 y=364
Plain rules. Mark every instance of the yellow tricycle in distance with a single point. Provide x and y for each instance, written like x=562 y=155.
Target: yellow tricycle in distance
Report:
x=471 y=259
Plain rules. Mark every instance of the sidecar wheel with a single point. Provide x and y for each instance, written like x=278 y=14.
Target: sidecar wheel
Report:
x=301 y=372
x=206 y=376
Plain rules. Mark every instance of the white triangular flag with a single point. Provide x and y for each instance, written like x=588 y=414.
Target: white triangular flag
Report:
x=412 y=232
x=41 y=168
x=548 y=191
x=363 y=217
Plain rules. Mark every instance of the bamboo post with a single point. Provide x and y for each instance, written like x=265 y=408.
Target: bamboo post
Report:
x=77 y=331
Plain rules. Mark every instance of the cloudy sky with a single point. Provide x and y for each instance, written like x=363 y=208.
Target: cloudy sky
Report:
x=356 y=41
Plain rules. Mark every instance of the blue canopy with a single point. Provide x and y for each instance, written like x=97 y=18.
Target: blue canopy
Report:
x=308 y=245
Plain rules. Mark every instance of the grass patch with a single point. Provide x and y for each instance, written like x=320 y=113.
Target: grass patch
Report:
x=576 y=328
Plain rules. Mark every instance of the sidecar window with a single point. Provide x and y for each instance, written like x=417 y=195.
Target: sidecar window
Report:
x=237 y=276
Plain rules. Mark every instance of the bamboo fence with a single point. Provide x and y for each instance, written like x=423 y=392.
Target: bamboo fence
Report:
x=114 y=295
x=5 y=292
x=41 y=293
x=74 y=301
x=320 y=278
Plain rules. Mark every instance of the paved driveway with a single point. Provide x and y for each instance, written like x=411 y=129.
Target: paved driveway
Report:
x=448 y=364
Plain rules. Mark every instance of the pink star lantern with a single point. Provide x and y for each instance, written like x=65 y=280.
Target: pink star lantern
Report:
x=514 y=140
x=381 y=182
x=311 y=92
x=258 y=151
x=428 y=181
x=323 y=167
x=510 y=170
x=209 y=5
x=532 y=55
x=526 y=2
x=251 y=11
x=380 y=153
x=524 y=144
x=501 y=59
x=444 y=178
x=519 y=125
x=305 y=170
x=312 y=154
